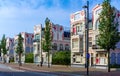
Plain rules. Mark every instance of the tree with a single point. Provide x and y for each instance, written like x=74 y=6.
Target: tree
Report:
x=19 y=49
x=3 y=48
x=47 y=39
x=108 y=31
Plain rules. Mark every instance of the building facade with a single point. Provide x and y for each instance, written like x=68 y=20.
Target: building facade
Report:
x=77 y=21
x=37 y=43
x=60 y=38
x=97 y=56
x=27 y=45
x=101 y=54
x=60 y=42
x=10 y=47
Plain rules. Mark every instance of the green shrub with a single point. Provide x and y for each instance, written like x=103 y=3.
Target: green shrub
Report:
x=29 y=58
x=11 y=59
x=61 y=58
x=115 y=66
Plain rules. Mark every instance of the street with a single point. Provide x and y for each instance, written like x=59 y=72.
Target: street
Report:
x=13 y=69
x=8 y=71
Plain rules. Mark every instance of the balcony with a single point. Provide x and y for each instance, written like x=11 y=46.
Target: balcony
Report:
x=36 y=40
x=97 y=48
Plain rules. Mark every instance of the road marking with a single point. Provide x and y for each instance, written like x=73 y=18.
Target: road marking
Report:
x=15 y=69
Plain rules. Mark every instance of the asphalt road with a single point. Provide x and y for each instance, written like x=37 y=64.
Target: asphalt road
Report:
x=8 y=71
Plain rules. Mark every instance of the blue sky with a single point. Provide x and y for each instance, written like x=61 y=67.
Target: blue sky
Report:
x=21 y=15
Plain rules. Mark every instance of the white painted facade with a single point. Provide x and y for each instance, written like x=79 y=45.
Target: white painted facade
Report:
x=59 y=42
x=97 y=56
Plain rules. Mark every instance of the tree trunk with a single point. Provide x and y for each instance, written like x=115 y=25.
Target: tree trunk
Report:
x=41 y=63
x=4 y=61
x=48 y=59
x=20 y=64
x=108 y=60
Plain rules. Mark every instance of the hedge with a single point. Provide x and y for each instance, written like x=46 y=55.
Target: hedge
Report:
x=61 y=58
x=29 y=58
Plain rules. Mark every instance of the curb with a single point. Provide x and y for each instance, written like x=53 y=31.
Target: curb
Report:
x=26 y=69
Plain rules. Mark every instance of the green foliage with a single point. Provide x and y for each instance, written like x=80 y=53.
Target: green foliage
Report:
x=29 y=58
x=61 y=58
x=47 y=36
x=115 y=66
x=19 y=49
x=12 y=60
x=47 y=39
x=108 y=32
x=3 y=45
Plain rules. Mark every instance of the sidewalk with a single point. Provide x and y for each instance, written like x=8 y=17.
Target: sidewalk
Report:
x=65 y=69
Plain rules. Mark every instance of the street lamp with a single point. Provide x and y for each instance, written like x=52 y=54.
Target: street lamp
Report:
x=87 y=35
x=41 y=63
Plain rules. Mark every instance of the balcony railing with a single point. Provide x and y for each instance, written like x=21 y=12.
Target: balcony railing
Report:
x=36 y=40
x=95 y=47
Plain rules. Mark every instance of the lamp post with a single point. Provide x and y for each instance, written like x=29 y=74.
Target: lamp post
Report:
x=87 y=35
x=41 y=45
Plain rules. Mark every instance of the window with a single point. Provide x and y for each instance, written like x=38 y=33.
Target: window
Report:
x=66 y=47
x=11 y=51
x=79 y=27
x=74 y=59
x=74 y=30
x=97 y=24
x=81 y=44
x=37 y=36
x=34 y=48
x=75 y=43
x=61 y=46
x=77 y=16
x=90 y=44
x=98 y=11
x=28 y=40
x=31 y=41
x=96 y=38
x=90 y=41
x=38 y=47
x=55 y=46
x=27 y=50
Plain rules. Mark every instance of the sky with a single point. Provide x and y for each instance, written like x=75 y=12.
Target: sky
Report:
x=22 y=15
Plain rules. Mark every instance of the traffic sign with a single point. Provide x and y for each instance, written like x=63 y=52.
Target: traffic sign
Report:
x=88 y=55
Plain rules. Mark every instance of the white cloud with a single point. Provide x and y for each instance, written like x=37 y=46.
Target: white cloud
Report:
x=18 y=19
x=21 y=15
